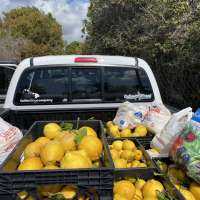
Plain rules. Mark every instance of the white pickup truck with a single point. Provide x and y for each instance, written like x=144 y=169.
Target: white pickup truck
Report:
x=67 y=87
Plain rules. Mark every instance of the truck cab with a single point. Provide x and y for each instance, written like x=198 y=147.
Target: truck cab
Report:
x=7 y=68
x=67 y=87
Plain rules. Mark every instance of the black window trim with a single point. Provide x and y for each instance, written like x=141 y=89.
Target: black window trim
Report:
x=70 y=66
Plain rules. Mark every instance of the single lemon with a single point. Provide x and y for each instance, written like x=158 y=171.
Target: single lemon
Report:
x=32 y=150
x=120 y=163
x=125 y=189
x=93 y=147
x=117 y=145
x=52 y=130
x=52 y=152
x=42 y=141
x=128 y=145
x=89 y=130
x=32 y=163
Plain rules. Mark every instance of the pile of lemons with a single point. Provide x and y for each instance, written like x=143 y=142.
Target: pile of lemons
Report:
x=126 y=155
x=138 y=190
x=56 y=192
x=59 y=149
x=177 y=176
x=114 y=131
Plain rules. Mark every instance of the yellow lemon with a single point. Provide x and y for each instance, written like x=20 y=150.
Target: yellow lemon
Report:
x=69 y=192
x=187 y=194
x=32 y=163
x=67 y=142
x=138 y=154
x=93 y=147
x=51 y=130
x=129 y=165
x=117 y=145
x=141 y=130
x=32 y=150
x=114 y=131
x=142 y=165
x=75 y=160
x=52 y=152
x=115 y=154
x=119 y=197
x=128 y=145
x=127 y=155
x=49 y=167
x=138 y=195
x=195 y=190
x=151 y=187
x=48 y=190
x=120 y=163
x=140 y=183
x=125 y=189
x=89 y=130
x=109 y=124
x=126 y=133
x=42 y=141
x=135 y=163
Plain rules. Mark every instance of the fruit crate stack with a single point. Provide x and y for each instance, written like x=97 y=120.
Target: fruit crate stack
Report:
x=70 y=154
x=133 y=167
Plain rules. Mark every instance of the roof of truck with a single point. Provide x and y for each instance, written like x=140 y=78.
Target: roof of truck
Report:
x=9 y=62
x=70 y=60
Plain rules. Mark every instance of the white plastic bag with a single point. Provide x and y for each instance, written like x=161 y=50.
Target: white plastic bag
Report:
x=156 y=118
x=129 y=115
x=9 y=137
x=163 y=141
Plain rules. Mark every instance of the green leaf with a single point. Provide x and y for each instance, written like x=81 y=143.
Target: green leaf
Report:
x=91 y=118
x=66 y=126
x=81 y=134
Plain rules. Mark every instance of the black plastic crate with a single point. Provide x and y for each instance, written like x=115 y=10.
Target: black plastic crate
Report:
x=169 y=187
x=137 y=170
x=12 y=181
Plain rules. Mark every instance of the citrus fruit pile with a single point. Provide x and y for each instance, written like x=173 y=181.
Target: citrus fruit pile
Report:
x=65 y=149
x=126 y=155
x=56 y=192
x=189 y=189
x=114 y=131
x=137 y=190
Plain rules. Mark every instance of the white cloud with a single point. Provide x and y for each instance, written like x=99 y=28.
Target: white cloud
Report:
x=70 y=14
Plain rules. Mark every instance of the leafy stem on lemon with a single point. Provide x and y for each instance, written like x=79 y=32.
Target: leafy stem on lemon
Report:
x=80 y=135
x=66 y=126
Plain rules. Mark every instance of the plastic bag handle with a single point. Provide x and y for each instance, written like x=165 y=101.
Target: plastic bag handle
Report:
x=185 y=112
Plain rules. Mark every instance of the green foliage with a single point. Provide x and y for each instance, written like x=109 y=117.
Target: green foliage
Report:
x=42 y=32
x=163 y=32
x=74 y=48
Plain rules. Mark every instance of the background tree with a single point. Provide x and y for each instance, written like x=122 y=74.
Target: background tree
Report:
x=41 y=31
x=74 y=47
x=165 y=33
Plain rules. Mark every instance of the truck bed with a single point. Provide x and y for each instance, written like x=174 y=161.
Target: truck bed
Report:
x=23 y=119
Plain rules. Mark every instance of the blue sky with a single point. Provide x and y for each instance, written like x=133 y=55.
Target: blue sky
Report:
x=69 y=13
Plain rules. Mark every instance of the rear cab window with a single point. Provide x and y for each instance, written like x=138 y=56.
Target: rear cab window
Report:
x=70 y=85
